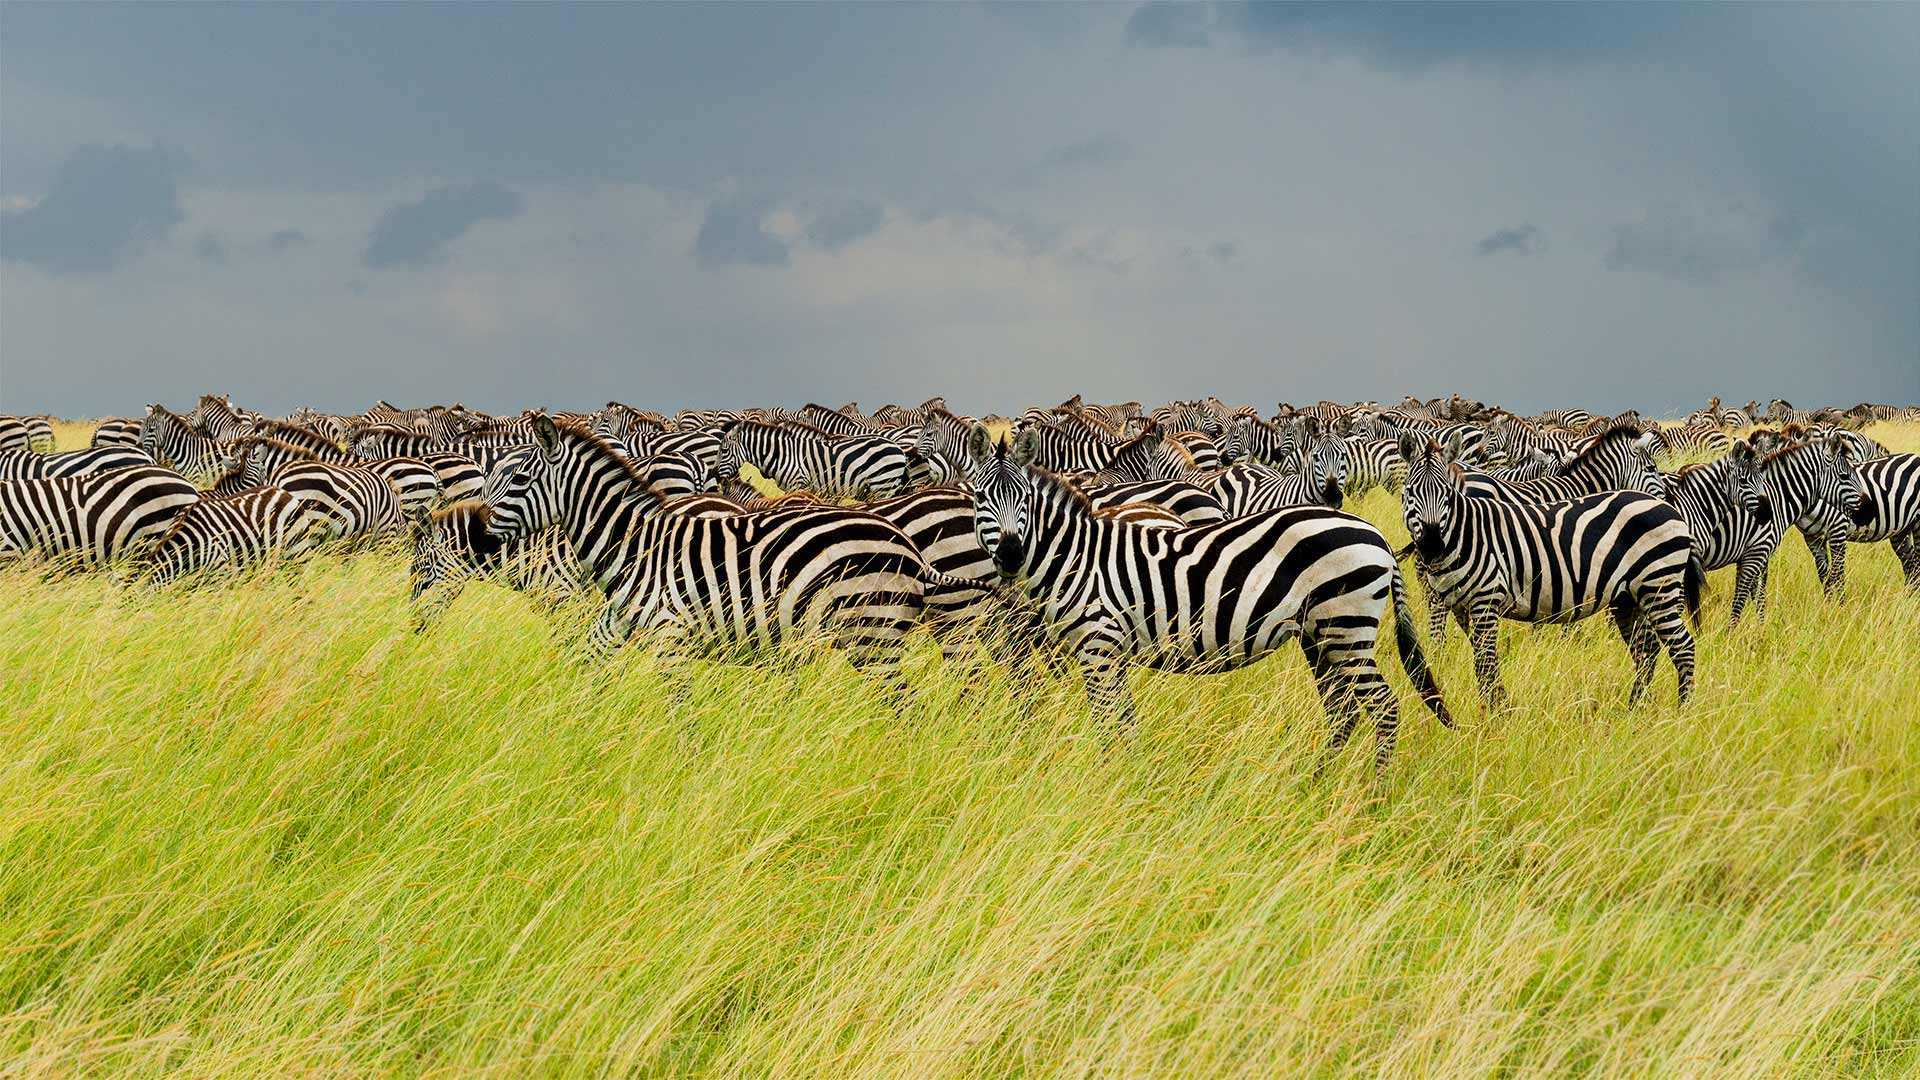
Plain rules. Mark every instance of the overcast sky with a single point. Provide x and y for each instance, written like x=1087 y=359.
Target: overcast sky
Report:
x=1603 y=206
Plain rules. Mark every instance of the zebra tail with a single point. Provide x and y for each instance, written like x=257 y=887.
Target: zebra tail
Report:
x=1412 y=657
x=1691 y=585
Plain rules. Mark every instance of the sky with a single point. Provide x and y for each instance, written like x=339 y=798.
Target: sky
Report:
x=1604 y=206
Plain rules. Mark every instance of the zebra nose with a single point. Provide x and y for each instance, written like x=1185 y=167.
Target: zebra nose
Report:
x=1009 y=554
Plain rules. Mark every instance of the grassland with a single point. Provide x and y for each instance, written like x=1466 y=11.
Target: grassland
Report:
x=264 y=829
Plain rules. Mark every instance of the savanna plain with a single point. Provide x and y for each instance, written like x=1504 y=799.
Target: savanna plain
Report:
x=264 y=828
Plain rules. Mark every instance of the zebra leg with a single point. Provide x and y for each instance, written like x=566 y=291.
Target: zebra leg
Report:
x=610 y=631
x=1750 y=583
x=431 y=603
x=1436 y=611
x=1907 y=547
x=1103 y=665
x=1634 y=629
x=1484 y=631
x=1667 y=614
x=1373 y=692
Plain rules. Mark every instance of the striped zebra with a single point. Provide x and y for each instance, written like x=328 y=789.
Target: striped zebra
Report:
x=115 y=431
x=265 y=460
x=1072 y=443
x=33 y=433
x=1249 y=488
x=455 y=544
x=1490 y=559
x=1147 y=456
x=1191 y=503
x=1798 y=483
x=1373 y=463
x=1177 y=416
x=170 y=440
x=733 y=586
x=802 y=456
x=96 y=517
x=358 y=501
x=215 y=536
x=28 y=465
x=1691 y=439
x=216 y=416
x=1200 y=599
x=1888 y=509
x=1731 y=521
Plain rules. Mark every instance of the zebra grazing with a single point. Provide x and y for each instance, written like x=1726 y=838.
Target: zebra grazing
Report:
x=455 y=544
x=358 y=501
x=28 y=465
x=1199 y=599
x=795 y=455
x=1490 y=559
x=1249 y=488
x=263 y=460
x=115 y=431
x=729 y=585
x=227 y=535
x=166 y=436
x=96 y=517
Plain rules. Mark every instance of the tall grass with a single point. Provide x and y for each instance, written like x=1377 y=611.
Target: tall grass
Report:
x=264 y=829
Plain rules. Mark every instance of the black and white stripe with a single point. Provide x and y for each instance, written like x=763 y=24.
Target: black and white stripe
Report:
x=455 y=544
x=1490 y=559
x=735 y=586
x=797 y=456
x=1199 y=599
x=171 y=441
x=28 y=465
x=96 y=517
x=215 y=536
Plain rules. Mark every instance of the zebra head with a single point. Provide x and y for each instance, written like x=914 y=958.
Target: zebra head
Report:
x=1002 y=484
x=1743 y=482
x=1840 y=481
x=1325 y=454
x=1434 y=487
x=520 y=487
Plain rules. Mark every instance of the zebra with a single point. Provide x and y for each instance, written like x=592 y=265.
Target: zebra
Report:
x=802 y=456
x=264 y=459
x=1147 y=456
x=732 y=585
x=1889 y=509
x=359 y=501
x=14 y=434
x=95 y=517
x=1731 y=521
x=215 y=535
x=28 y=465
x=834 y=421
x=1177 y=416
x=1191 y=503
x=455 y=544
x=1373 y=463
x=216 y=417
x=1692 y=439
x=166 y=436
x=115 y=431
x=1072 y=443
x=1798 y=484
x=1201 y=598
x=1490 y=559
x=1250 y=488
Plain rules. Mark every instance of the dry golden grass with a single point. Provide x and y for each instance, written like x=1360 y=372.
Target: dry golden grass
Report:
x=264 y=829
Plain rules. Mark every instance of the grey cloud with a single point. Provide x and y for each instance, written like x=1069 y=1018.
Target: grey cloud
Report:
x=286 y=239
x=1224 y=251
x=1701 y=246
x=1518 y=239
x=732 y=233
x=843 y=226
x=1163 y=24
x=208 y=247
x=1098 y=151
x=416 y=234
x=105 y=203
x=1421 y=35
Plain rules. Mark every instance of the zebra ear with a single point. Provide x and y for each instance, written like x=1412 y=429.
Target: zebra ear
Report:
x=1026 y=447
x=979 y=442
x=1411 y=444
x=1310 y=426
x=1451 y=444
x=546 y=434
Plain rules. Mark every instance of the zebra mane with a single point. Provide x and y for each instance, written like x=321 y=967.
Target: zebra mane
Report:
x=598 y=446
x=292 y=434
x=246 y=443
x=163 y=411
x=465 y=508
x=1048 y=480
x=1605 y=440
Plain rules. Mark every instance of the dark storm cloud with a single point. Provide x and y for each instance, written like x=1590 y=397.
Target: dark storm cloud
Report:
x=845 y=225
x=105 y=203
x=415 y=234
x=1164 y=24
x=1519 y=240
x=1701 y=247
x=286 y=239
x=733 y=232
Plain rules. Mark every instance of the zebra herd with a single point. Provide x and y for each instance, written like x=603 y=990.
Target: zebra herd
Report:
x=1192 y=537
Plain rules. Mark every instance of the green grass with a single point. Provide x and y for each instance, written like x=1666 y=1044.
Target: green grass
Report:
x=264 y=829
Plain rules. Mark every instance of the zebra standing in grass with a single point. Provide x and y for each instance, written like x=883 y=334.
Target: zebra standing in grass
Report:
x=227 y=535
x=27 y=465
x=166 y=436
x=455 y=544
x=26 y=433
x=733 y=585
x=96 y=517
x=1199 y=599
x=1490 y=559
x=114 y=431
x=1799 y=483
x=358 y=501
x=1731 y=521
x=795 y=455
x=1373 y=463
x=1889 y=509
